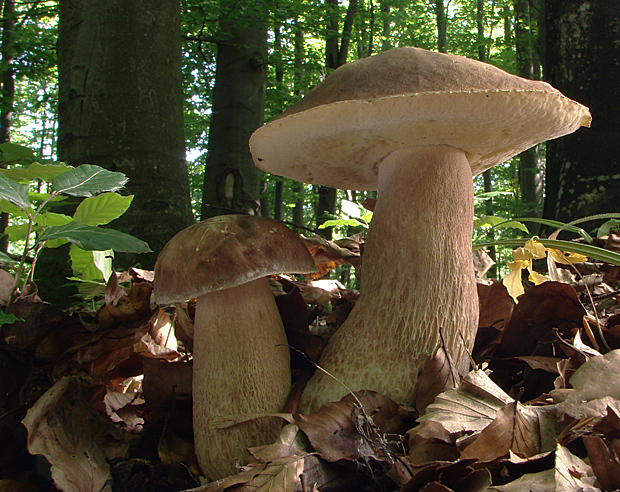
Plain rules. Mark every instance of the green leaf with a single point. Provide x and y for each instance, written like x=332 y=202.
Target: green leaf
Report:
x=14 y=192
x=8 y=319
x=102 y=209
x=14 y=210
x=97 y=238
x=91 y=265
x=14 y=152
x=16 y=232
x=55 y=243
x=494 y=221
x=340 y=222
x=36 y=170
x=37 y=197
x=6 y=258
x=88 y=180
x=51 y=219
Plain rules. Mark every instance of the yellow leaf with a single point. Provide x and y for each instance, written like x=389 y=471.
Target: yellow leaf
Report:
x=521 y=254
x=536 y=277
x=537 y=249
x=566 y=258
x=512 y=281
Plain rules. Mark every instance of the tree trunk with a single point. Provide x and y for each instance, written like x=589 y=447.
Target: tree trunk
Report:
x=335 y=56
x=121 y=107
x=442 y=26
x=298 y=210
x=583 y=49
x=8 y=92
x=232 y=182
x=531 y=167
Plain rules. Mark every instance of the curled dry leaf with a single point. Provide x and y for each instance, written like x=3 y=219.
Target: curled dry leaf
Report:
x=460 y=476
x=495 y=309
x=604 y=462
x=570 y=474
x=342 y=431
x=470 y=407
x=541 y=311
x=436 y=376
x=327 y=255
x=510 y=431
x=76 y=442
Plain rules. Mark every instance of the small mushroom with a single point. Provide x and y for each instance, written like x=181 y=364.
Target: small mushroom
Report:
x=413 y=125
x=241 y=358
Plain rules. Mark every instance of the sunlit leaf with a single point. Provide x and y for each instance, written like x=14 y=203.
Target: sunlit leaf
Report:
x=102 y=209
x=566 y=259
x=536 y=277
x=588 y=250
x=513 y=282
x=91 y=265
x=499 y=222
x=537 y=249
x=51 y=219
x=36 y=170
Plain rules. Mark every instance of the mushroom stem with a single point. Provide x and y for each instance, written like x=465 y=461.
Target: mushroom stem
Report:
x=230 y=381
x=417 y=280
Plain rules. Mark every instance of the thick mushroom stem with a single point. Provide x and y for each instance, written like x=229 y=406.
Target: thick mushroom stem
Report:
x=417 y=280
x=241 y=369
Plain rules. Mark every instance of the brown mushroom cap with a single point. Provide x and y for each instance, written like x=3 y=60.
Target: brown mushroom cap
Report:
x=342 y=129
x=226 y=251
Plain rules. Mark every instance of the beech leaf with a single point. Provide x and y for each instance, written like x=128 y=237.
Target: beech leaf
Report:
x=88 y=180
x=14 y=192
x=75 y=441
x=102 y=209
x=95 y=238
x=510 y=431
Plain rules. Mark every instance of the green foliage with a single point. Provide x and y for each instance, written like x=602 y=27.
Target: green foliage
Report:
x=92 y=246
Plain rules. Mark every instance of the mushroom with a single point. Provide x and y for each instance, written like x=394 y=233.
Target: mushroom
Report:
x=413 y=125
x=241 y=357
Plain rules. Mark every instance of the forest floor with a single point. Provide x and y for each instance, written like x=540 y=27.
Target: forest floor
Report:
x=105 y=399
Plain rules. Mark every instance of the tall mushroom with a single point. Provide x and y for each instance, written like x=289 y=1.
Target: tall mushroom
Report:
x=413 y=125
x=241 y=358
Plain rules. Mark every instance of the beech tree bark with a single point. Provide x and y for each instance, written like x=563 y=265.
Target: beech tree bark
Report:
x=232 y=182
x=583 y=49
x=121 y=107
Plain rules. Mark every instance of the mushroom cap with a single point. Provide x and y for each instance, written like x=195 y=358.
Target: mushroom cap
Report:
x=338 y=134
x=225 y=251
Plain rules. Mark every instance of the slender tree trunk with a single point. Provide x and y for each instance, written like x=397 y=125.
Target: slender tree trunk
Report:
x=531 y=167
x=335 y=56
x=298 y=210
x=8 y=80
x=232 y=182
x=278 y=203
x=8 y=92
x=386 y=16
x=121 y=107
x=583 y=49
x=442 y=26
x=487 y=176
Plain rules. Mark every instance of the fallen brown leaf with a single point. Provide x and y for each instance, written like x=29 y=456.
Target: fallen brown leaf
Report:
x=510 y=431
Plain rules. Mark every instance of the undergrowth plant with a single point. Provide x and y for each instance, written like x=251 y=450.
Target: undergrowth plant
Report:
x=34 y=226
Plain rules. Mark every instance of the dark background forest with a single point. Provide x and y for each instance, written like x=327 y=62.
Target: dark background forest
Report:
x=169 y=94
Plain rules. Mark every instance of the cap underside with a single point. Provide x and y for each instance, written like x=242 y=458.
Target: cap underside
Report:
x=342 y=144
